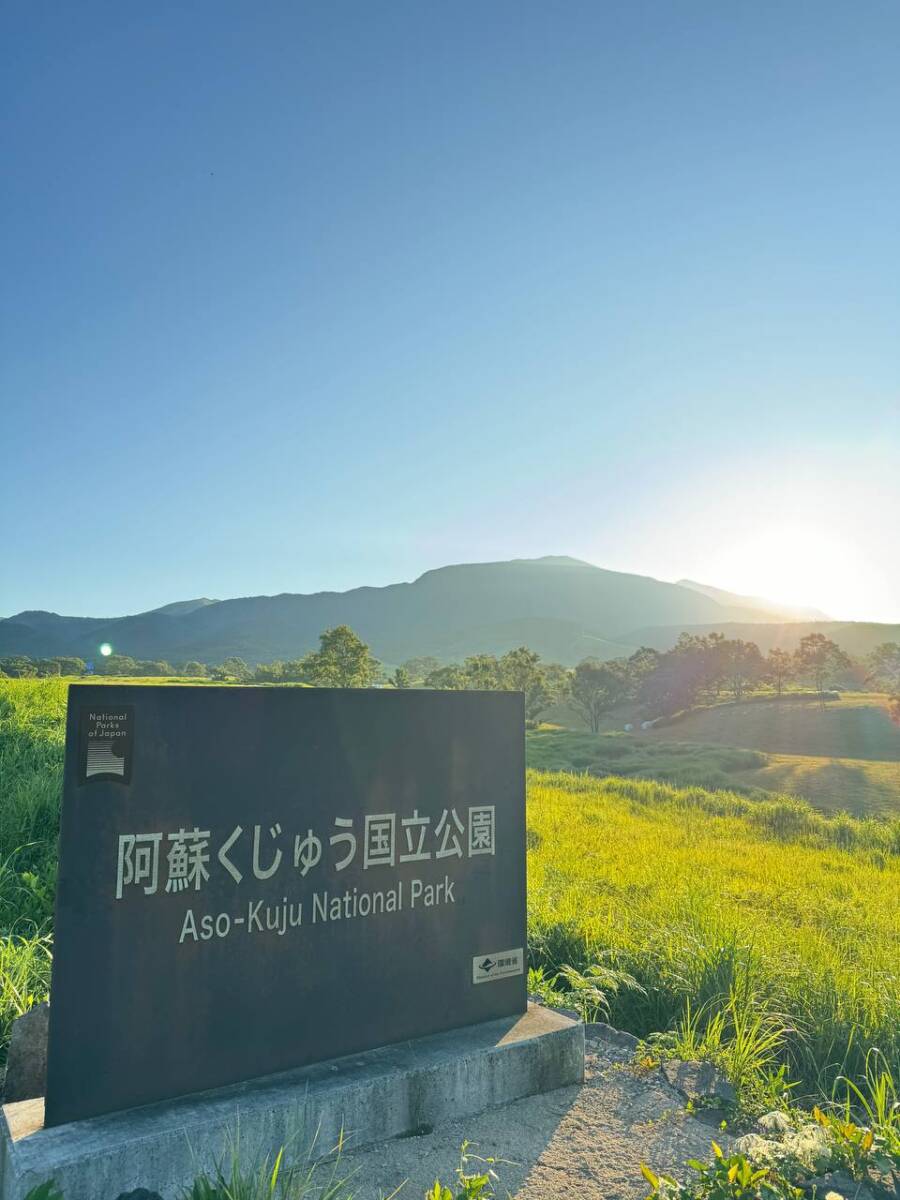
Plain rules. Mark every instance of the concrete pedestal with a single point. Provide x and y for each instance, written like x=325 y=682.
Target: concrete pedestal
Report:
x=374 y=1096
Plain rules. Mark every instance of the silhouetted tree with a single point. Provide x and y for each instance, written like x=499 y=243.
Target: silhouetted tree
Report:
x=884 y=665
x=818 y=658
x=232 y=668
x=779 y=668
x=597 y=688
x=741 y=663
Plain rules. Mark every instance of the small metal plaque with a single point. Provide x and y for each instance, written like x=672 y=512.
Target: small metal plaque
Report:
x=486 y=968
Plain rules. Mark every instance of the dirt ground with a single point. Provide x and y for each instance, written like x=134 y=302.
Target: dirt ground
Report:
x=584 y=1141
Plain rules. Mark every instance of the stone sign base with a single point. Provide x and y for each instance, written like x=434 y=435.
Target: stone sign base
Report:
x=372 y=1097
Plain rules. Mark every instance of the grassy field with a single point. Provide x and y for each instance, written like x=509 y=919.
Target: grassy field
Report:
x=844 y=756
x=700 y=895
x=640 y=757
x=856 y=726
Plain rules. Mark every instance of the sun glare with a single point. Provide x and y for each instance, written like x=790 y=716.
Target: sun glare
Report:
x=801 y=565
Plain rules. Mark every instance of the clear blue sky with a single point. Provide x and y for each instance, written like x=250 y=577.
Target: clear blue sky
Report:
x=303 y=296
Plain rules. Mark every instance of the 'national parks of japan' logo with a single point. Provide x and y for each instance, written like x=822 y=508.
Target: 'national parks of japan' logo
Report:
x=107 y=744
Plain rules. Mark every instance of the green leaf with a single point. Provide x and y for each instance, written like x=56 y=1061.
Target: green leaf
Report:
x=652 y=1179
x=275 y=1172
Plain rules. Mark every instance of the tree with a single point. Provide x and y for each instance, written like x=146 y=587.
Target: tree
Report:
x=232 y=668
x=116 y=664
x=19 y=666
x=420 y=668
x=779 y=668
x=818 y=658
x=157 y=667
x=451 y=678
x=195 y=670
x=272 y=672
x=558 y=681
x=520 y=670
x=640 y=666
x=678 y=678
x=884 y=663
x=597 y=688
x=741 y=662
x=482 y=672
x=70 y=665
x=342 y=660
x=400 y=679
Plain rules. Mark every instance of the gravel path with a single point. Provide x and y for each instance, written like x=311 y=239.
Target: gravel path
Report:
x=586 y=1142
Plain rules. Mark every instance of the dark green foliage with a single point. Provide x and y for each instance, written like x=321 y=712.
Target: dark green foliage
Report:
x=819 y=659
x=519 y=670
x=45 y=1191
x=884 y=664
x=598 y=688
x=342 y=660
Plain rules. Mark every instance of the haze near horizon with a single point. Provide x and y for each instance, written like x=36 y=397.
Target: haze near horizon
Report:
x=335 y=296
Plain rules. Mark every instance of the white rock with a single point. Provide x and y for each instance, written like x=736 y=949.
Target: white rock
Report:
x=775 y=1122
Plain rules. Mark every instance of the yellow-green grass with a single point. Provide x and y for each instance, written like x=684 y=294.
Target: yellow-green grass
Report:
x=637 y=756
x=844 y=755
x=862 y=786
x=857 y=785
x=694 y=892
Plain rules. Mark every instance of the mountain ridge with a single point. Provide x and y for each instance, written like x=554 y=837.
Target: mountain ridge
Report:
x=563 y=608
x=797 y=612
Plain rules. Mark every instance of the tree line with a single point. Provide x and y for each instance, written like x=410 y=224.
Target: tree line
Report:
x=653 y=682
x=659 y=683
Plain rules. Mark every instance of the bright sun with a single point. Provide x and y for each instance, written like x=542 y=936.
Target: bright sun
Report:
x=798 y=564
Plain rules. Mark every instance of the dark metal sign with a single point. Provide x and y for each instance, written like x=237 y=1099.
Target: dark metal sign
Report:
x=254 y=879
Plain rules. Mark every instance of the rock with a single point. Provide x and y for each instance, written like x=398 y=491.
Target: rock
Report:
x=775 y=1122
x=810 y=1146
x=835 y=1184
x=139 y=1194
x=26 y=1065
x=761 y=1151
x=615 y=1037
x=699 y=1080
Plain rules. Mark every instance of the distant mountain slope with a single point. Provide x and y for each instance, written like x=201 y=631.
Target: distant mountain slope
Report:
x=565 y=609
x=180 y=607
x=774 y=611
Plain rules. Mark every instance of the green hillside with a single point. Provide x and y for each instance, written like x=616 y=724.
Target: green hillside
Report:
x=856 y=726
x=843 y=756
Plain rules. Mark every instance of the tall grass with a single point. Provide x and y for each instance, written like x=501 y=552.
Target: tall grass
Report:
x=702 y=897
x=32 y=734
